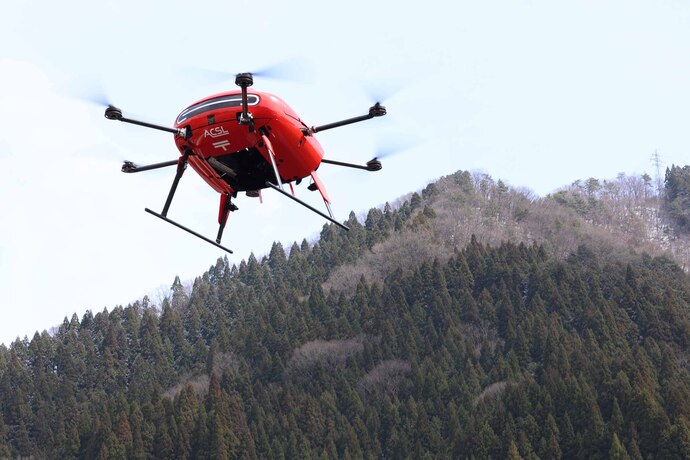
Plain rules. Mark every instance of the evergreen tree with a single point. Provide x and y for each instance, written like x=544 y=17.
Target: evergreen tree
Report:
x=677 y=195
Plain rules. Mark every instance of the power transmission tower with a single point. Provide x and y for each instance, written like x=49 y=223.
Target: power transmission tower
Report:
x=656 y=161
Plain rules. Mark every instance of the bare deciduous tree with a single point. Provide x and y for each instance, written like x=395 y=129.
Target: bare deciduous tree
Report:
x=384 y=378
x=495 y=390
x=322 y=352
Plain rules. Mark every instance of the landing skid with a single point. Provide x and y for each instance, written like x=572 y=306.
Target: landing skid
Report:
x=311 y=208
x=170 y=221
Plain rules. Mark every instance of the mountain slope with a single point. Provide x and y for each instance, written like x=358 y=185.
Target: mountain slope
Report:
x=444 y=346
x=616 y=218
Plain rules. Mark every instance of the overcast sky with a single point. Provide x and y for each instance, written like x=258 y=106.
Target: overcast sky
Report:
x=536 y=93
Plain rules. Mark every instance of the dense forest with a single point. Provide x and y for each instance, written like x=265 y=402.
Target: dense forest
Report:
x=470 y=320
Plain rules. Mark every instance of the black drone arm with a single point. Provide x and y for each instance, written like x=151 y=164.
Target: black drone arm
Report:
x=376 y=110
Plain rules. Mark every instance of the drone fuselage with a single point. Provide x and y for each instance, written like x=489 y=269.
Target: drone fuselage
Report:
x=233 y=154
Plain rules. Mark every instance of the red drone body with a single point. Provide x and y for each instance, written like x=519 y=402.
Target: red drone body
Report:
x=278 y=135
x=246 y=141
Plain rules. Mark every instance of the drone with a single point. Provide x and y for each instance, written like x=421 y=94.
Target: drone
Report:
x=246 y=141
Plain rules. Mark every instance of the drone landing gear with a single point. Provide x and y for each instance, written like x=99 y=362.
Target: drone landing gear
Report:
x=271 y=155
x=317 y=186
x=189 y=230
x=226 y=207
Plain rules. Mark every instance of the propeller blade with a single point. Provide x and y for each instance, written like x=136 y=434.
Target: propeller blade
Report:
x=295 y=70
x=382 y=90
x=88 y=90
x=392 y=145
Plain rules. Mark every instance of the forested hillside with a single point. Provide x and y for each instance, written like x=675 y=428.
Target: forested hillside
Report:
x=615 y=218
x=471 y=320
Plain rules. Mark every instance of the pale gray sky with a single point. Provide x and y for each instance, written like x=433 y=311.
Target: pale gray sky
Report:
x=537 y=93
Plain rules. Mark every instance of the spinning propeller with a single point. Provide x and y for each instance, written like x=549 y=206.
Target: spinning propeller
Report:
x=379 y=91
x=295 y=70
x=87 y=89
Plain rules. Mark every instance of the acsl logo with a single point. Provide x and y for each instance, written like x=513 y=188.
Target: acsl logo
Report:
x=216 y=131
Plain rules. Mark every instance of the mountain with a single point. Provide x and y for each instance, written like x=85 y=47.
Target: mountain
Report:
x=616 y=218
x=470 y=320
